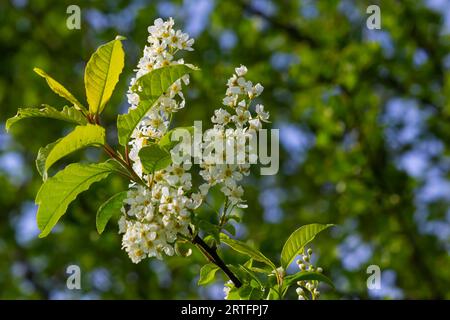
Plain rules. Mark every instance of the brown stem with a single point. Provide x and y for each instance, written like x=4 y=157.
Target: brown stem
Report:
x=117 y=156
x=212 y=256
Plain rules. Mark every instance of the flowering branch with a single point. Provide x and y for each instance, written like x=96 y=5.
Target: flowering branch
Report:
x=159 y=209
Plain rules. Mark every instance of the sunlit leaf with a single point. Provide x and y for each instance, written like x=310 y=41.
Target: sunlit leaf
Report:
x=59 y=89
x=68 y=114
x=247 y=250
x=59 y=191
x=297 y=241
x=102 y=74
x=154 y=158
x=207 y=274
x=109 y=208
x=80 y=137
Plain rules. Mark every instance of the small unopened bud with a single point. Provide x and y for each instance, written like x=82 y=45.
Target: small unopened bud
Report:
x=299 y=291
x=319 y=270
x=302 y=266
x=280 y=271
x=306 y=258
x=316 y=293
x=309 y=251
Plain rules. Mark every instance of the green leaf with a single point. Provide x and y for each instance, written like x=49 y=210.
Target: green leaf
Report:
x=68 y=114
x=102 y=74
x=166 y=141
x=154 y=158
x=81 y=137
x=251 y=274
x=153 y=84
x=230 y=228
x=234 y=294
x=210 y=228
x=273 y=295
x=245 y=292
x=183 y=249
x=59 y=191
x=297 y=241
x=42 y=157
x=306 y=275
x=246 y=249
x=59 y=89
x=207 y=274
x=108 y=209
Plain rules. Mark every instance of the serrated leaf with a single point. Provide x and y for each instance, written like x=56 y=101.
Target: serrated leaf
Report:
x=246 y=249
x=207 y=274
x=102 y=74
x=306 y=276
x=80 y=137
x=68 y=114
x=42 y=157
x=59 y=191
x=297 y=241
x=59 y=89
x=154 y=158
x=108 y=209
x=153 y=84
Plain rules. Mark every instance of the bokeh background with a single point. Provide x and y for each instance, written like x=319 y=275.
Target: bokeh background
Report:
x=365 y=135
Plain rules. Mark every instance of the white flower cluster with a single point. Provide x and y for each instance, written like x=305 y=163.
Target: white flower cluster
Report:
x=305 y=265
x=164 y=42
x=233 y=126
x=154 y=217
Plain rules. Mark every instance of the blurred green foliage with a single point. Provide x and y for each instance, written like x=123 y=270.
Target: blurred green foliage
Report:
x=352 y=104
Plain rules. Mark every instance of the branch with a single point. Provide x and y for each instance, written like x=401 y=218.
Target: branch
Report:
x=212 y=256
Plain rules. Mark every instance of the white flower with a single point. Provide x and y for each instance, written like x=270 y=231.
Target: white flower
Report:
x=262 y=115
x=255 y=124
x=258 y=89
x=230 y=101
x=227 y=288
x=234 y=193
x=241 y=71
x=221 y=116
x=241 y=118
